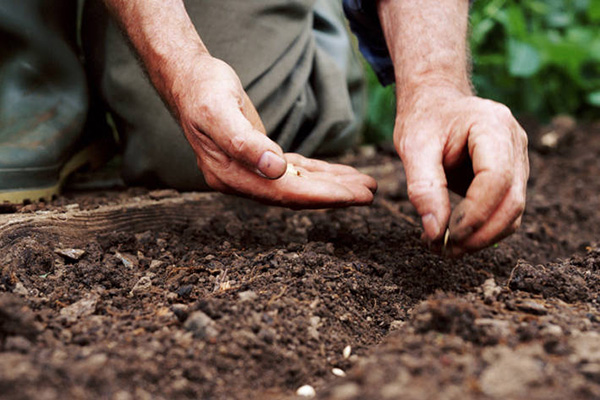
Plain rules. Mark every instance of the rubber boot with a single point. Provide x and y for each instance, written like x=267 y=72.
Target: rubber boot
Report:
x=43 y=99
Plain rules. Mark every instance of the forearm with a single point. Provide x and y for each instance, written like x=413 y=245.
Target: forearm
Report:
x=165 y=39
x=427 y=43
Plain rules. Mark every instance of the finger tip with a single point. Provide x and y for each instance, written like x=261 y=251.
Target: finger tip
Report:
x=432 y=227
x=271 y=165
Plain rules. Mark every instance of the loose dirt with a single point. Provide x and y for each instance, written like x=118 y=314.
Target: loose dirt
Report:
x=252 y=302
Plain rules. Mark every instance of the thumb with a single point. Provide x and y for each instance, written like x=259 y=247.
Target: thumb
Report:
x=427 y=186
x=243 y=137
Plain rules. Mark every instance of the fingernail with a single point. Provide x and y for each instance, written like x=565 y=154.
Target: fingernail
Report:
x=431 y=226
x=271 y=165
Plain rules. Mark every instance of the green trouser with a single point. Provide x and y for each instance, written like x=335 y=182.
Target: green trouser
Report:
x=294 y=59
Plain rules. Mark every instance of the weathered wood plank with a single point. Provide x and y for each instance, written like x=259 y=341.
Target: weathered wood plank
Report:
x=136 y=215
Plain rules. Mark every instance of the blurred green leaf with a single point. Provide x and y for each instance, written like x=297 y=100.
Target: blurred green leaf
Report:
x=594 y=98
x=594 y=11
x=523 y=59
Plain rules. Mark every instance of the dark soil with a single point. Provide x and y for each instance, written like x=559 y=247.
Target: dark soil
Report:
x=255 y=302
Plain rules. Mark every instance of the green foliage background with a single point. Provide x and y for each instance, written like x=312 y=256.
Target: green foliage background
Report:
x=539 y=57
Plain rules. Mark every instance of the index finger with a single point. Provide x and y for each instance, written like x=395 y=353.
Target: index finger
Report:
x=492 y=154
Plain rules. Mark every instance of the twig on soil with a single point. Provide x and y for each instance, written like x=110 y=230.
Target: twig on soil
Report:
x=277 y=296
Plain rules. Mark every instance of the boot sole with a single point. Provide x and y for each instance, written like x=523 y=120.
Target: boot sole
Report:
x=94 y=156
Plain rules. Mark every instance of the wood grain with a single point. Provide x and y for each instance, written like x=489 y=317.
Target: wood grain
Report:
x=136 y=215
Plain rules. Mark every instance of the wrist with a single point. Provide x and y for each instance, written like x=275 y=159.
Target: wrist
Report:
x=433 y=93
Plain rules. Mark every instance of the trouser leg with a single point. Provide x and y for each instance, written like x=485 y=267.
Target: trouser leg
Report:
x=43 y=97
x=299 y=89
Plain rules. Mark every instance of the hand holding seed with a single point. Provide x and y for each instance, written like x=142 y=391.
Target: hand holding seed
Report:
x=474 y=147
x=236 y=157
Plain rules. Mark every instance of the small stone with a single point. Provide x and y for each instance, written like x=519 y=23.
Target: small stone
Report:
x=201 y=326
x=338 y=372
x=490 y=291
x=128 y=260
x=181 y=311
x=171 y=296
x=306 y=391
x=396 y=325
x=248 y=295
x=532 y=307
x=20 y=289
x=347 y=352
x=141 y=286
x=81 y=308
x=552 y=330
x=71 y=254
x=185 y=291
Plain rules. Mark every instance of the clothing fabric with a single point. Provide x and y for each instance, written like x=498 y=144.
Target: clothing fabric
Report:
x=294 y=59
x=364 y=22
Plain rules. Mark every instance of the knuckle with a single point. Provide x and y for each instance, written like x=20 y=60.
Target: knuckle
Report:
x=237 y=145
x=503 y=113
x=420 y=190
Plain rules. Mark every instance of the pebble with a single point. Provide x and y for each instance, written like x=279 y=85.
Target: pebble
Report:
x=71 y=254
x=20 y=289
x=201 y=326
x=306 y=391
x=491 y=291
x=128 y=260
x=81 y=308
x=141 y=286
x=396 y=325
x=532 y=307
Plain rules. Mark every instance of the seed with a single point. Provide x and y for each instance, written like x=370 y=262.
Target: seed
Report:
x=306 y=391
x=346 y=352
x=446 y=237
x=338 y=372
x=292 y=170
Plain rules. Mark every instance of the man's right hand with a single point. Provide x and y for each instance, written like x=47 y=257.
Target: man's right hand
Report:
x=219 y=120
x=236 y=156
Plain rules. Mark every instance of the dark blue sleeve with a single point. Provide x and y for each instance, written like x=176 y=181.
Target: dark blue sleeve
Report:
x=365 y=24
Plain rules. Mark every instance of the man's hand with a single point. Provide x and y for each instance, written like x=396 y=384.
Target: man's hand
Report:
x=464 y=143
x=237 y=157
x=446 y=136
x=219 y=120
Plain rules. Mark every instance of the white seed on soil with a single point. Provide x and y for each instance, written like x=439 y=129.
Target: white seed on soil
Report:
x=306 y=391
x=347 y=352
x=338 y=372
